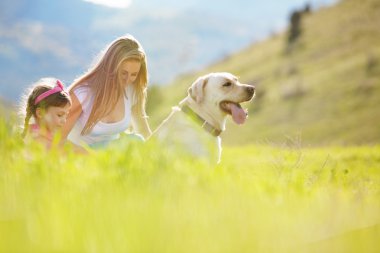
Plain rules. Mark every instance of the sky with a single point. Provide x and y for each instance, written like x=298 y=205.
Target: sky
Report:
x=40 y=38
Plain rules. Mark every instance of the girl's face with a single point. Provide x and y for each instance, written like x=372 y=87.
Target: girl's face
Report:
x=129 y=70
x=54 y=117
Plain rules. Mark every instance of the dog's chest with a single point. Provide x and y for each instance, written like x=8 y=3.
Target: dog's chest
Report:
x=179 y=131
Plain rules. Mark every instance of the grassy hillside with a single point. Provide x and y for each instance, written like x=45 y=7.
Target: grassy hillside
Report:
x=260 y=199
x=325 y=91
x=6 y=108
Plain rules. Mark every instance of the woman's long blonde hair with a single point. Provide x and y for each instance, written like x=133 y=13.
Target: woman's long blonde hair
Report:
x=103 y=79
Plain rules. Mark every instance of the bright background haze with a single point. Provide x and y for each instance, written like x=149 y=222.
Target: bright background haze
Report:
x=61 y=38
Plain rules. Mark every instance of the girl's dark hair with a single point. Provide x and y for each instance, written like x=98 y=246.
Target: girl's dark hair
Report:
x=58 y=99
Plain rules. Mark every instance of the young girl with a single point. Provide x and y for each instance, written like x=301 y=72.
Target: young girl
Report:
x=110 y=96
x=48 y=105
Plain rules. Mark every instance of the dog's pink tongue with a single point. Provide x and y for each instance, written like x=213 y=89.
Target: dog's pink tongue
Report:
x=239 y=115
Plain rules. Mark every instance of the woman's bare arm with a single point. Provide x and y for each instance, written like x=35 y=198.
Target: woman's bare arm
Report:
x=75 y=112
x=140 y=124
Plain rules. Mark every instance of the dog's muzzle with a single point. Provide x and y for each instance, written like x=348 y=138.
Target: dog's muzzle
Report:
x=250 y=91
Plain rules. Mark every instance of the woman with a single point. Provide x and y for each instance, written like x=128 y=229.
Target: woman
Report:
x=110 y=96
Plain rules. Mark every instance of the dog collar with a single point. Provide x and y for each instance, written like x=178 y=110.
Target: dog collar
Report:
x=204 y=124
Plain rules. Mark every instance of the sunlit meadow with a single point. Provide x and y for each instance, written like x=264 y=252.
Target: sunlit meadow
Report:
x=136 y=197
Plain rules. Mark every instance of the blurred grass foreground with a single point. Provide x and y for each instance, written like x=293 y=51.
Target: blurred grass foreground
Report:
x=137 y=198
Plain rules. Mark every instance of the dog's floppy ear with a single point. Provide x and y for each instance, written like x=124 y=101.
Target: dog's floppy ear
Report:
x=196 y=91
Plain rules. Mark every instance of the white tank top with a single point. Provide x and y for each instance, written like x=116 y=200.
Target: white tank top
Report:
x=102 y=133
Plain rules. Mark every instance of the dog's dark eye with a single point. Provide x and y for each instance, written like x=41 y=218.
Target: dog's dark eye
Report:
x=228 y=84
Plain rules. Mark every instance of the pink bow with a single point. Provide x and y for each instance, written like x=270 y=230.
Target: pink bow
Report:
x=56 y=89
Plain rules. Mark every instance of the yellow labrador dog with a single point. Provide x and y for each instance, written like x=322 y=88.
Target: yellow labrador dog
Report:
x=196 y=123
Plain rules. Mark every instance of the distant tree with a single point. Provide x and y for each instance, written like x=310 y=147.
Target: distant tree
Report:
x=307 y=8
x=295 y=26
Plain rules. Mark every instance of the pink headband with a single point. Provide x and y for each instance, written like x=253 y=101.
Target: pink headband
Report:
x=56 y=89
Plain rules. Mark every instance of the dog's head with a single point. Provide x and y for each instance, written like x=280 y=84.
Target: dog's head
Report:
x=222 y=93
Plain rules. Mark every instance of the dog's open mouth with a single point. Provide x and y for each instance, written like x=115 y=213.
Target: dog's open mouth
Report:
x=239 y=115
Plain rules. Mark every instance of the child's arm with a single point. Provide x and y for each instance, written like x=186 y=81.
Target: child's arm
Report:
x=75 y=112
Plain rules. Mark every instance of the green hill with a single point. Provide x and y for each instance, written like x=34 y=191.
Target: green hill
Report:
x=6 y=108
x=326 y=90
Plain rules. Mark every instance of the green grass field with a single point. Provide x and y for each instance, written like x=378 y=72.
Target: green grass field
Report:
x=134 y=197
x=273 y=197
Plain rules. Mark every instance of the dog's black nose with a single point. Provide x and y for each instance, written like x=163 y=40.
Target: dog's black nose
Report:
x=251 y=89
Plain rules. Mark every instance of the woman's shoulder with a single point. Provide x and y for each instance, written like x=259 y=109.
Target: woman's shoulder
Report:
x=82 y=92
x=81 y=89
